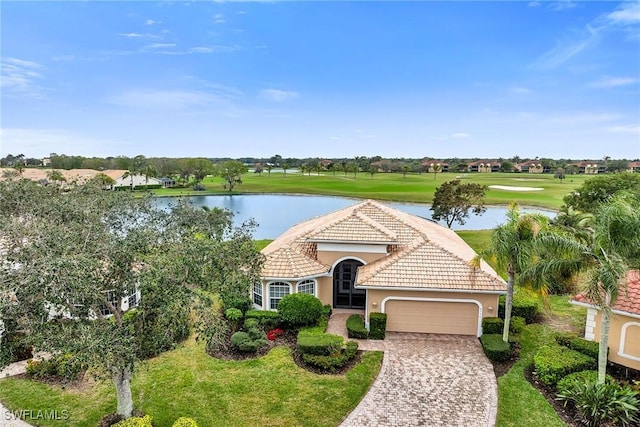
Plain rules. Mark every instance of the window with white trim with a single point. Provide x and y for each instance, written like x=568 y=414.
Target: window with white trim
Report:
x=257 y=294
x=277 y=291
x=133 y=299
x=112 y=298
x=307 y=287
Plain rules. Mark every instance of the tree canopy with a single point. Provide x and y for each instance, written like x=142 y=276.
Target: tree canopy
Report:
x=231 y=171
x=453 y=200
x=597 y=190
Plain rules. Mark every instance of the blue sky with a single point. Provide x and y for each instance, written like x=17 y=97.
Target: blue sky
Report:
x=321 y=79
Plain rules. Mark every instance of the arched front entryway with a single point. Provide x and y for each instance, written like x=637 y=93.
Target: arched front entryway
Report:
x=345 y=295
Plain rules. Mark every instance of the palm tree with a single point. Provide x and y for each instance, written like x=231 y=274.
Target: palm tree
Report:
x=602 y=262
x=148 y=172
x=511 y=247
x=405 y=170
x=55 y=176
x=436 y=168
x=10 y=174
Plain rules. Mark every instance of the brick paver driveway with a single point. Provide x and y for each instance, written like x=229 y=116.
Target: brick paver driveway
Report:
x=429 y=380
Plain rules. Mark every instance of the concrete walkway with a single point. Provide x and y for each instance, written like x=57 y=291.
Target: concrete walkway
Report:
x=7 y=419
x=426 y=380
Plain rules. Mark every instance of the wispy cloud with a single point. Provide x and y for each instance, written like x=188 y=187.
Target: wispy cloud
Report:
x=519 y=90
x=456 y=135
x=627 y=13
x=277 y=95
x=159 y=45
x=152 y=22
x=42 y=142
x=162 y=99
x=145 y=36
x=633 y=129
x=562 y=5
x=218 y=18
x=582 y=117
x=567 y=49
x=611 y=82
x=20 y=77
x=460 y=135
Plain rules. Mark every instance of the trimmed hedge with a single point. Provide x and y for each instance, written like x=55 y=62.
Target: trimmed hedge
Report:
x=266 y=319
x=136 y=422
x=554 y=362
x=334 y=361
x=564 y=338
x=355 y=327
x=495 y=349
x=249 y=341
x=185 y=422
x=327 y=310
x=525 y=305
x=584 y=346
x=300 y=309
x=492 y=325
x=377 y=326
x=581 y=377
x=517 y=324
x=318 y=344
x=58 y=366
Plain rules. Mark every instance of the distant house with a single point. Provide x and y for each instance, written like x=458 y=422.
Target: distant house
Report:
x=624 y=329
x=46 y=162
x=633 y=167
x=374 y=258
x=590 y=167
x=430 y=165
x=530 y=167
x=135 y=181
x=484 y=166
x=167 y=182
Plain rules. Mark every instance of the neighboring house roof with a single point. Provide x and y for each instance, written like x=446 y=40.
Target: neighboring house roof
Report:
x=420 y=253
x=484 y=162
x=81 y=175
x=628 y=301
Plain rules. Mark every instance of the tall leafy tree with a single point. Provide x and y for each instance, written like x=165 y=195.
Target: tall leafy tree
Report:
x=453 y=200
x=512 y=248
x=597 y=190
x=601 y=263
x=231 y=171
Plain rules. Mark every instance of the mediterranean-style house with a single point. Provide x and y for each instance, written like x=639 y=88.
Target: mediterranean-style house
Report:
x=590 y=167
x=431 y=166
x=624 y=329
x=484 y=166
x=529 y=167
x=372 y=257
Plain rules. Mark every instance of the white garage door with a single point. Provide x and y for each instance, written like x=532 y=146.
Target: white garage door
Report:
x=434 y=317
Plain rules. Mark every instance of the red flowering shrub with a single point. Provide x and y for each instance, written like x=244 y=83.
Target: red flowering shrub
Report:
x=274 y=333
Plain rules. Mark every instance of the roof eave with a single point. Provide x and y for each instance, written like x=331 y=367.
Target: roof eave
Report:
x=595 y=307
x=356 y=242
x=407 y=288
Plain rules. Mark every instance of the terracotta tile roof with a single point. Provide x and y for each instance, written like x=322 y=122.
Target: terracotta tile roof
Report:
x=286 y=263
x=357 y=227
x=424 y=254
x=427 y=265
x=81 y=175
x=628 y=300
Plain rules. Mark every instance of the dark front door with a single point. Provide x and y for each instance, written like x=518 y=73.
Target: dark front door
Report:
x=344 y=293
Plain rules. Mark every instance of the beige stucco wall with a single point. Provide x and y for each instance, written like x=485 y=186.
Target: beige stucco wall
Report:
x=631 y=347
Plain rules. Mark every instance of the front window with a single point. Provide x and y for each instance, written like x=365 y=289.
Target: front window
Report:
x=277 y=291
x=112 y=298
x=307 y=287
x=133 y=299
x=257 y=294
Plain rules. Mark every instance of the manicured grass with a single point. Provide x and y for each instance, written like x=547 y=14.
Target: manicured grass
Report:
x=477 y=239
x=395 y=187
x=260 y=244
x=271 y=390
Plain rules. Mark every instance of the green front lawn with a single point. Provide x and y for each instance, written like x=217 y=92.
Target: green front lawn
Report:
x=395 y=187
x=269 y=391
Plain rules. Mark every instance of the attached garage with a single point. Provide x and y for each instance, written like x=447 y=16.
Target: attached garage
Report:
x=433 y=315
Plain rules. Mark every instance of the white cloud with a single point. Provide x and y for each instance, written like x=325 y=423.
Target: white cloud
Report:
x=580 y=117
x=219 y=18
x=159 y=45
x=19 y=77
x=460 y=135
x=145 y=36
x=611 y=82
x=565 y=50
x=64 y=58
x=628 y=13
x=534 y=4
x=519 y=90
x=633 y=129
x=562 y=5
x=277 y=95
x=162 y=99
x=152 y=22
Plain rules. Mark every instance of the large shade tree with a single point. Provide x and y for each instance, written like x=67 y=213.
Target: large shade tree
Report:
x=231 y=172
x=453 y=200
x=600 y=262
x=511 y=247
x=73 y=263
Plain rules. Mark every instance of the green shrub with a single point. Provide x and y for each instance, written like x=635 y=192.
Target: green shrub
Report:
x=300 y=309
x=492 y=325
x=377 y=326
x=327 y=310
x=584 y=346
x=185 y=422
x=581 y=377
x=247 y=341
x=15 y=344
x=554 y=362
x=234 y=300
x=233 y=314
x=266 y=319
x=603 y=404
x=517 y=324
x=65 y=366
x=251 y=322
x=564 y=338
x=495 y=349
x=136 y=422
x=318 y=344
x=333 y=361
x=355 y=327
x=318 y=329
x=525 y=305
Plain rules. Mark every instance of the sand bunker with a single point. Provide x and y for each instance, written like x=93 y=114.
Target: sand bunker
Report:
x=510 y=188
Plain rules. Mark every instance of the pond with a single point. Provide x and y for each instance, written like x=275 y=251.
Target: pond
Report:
x=275 y=213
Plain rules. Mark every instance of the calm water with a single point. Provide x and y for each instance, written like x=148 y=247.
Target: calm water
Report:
x=275 y=213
